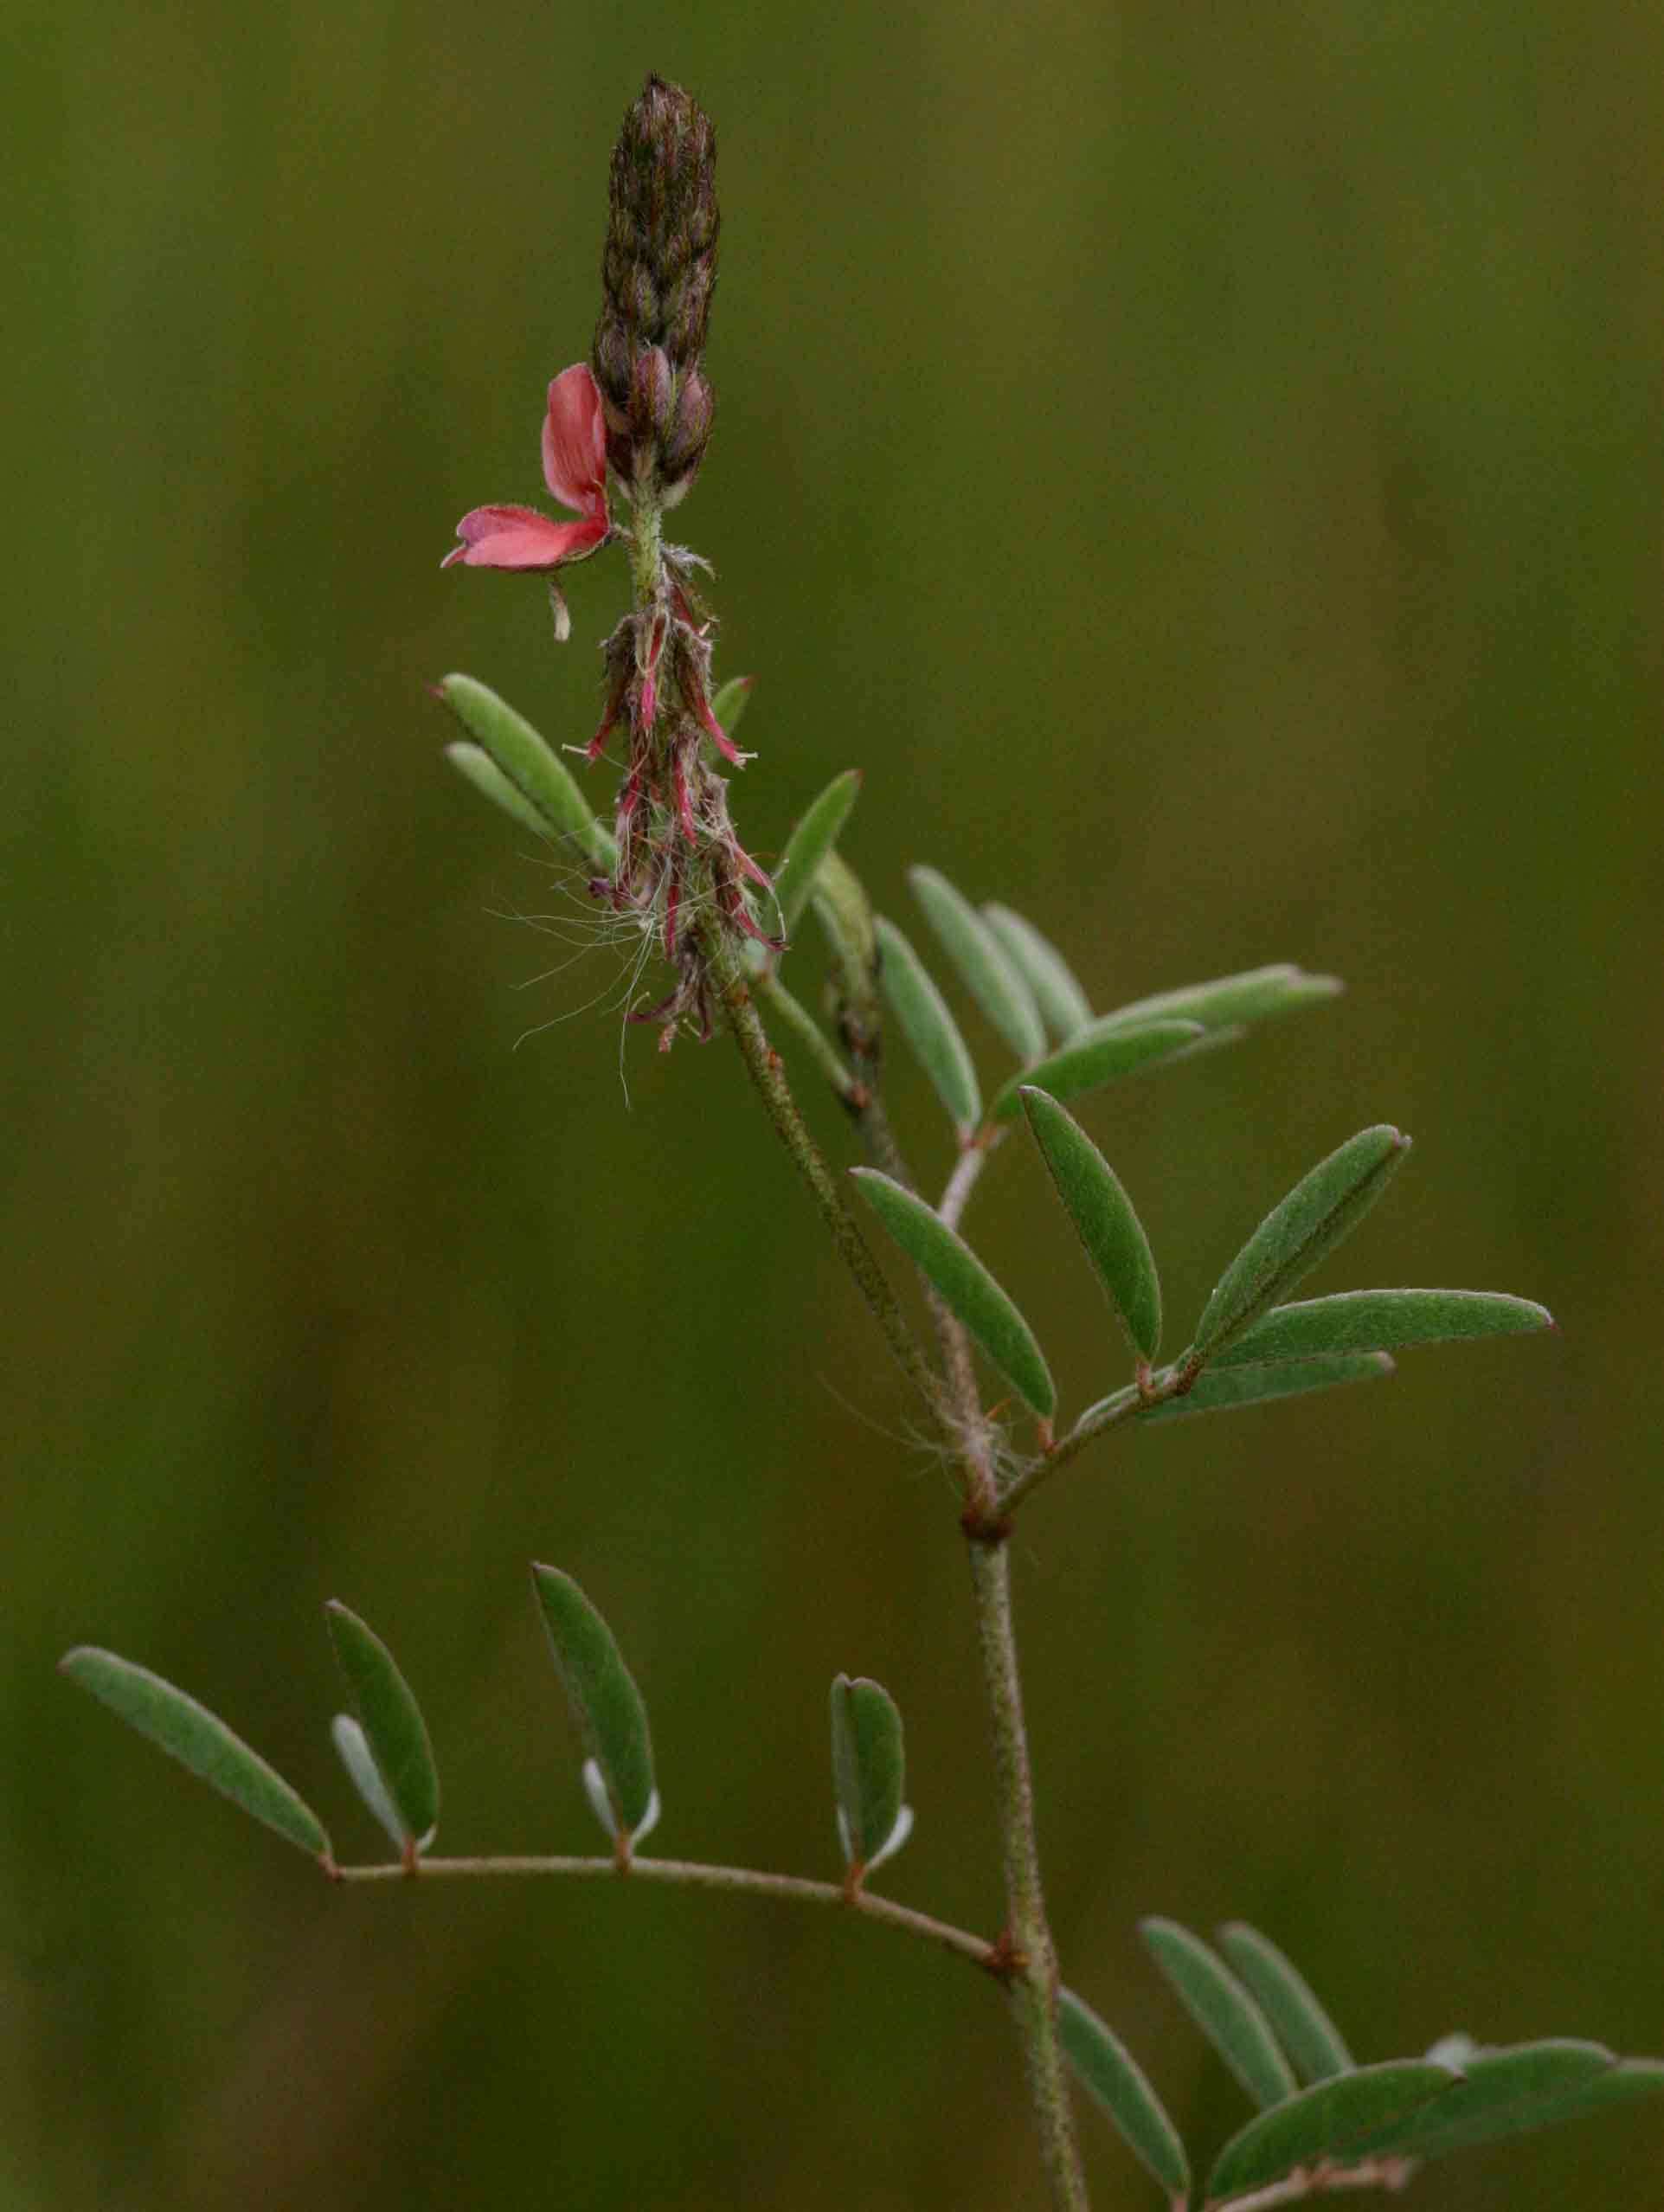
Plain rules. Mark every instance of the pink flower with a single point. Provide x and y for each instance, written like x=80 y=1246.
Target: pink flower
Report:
x=574 y=468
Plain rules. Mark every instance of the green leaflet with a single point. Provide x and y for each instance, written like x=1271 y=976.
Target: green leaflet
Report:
x=1355 y=1320
x=990 y=975
x=816 y=834
x=1104 y=1220
x=394 y=1730
x=481 y=770
x=606 y=1703
x=200 y=1740
x=965 y=1286
x=1220 y=1390
x=1222 y=2009
x=868 y=1766
x=1514 y=2091
x=928 y=1026
x=1328 y=2122
x=1063 y=1004
x=538 y=773
x=1091 y=1060
x=1254 y=995
x=1325 y=1207
x=1108 y=2072
x=1307 y=2033
x=844 y=912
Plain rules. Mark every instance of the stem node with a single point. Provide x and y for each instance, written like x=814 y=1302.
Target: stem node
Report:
x=981 y=1527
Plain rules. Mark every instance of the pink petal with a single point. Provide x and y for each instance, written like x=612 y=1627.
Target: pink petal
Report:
x=519 y=538
x=574 y=441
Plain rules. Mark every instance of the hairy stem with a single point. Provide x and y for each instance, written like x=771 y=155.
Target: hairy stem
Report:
x=690 y=1874
x=1034 y=1982
x=646 y=538
x=963 y=1181
x=1027 y=1952
x=1109 y=1413
x=798 y=1019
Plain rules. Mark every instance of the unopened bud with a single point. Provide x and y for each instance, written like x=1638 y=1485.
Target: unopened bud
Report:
x=684 y=447
x=658 y=274
x=652 y=397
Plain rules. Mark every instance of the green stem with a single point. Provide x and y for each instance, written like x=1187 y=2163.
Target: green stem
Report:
x=1027 y=1954
x=691 y=1874
x=1097 y=1420
x=1034 y=1980
x=647 y=537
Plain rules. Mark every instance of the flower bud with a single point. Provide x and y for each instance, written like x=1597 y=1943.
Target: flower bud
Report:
x=683 y=446
x=658 y=271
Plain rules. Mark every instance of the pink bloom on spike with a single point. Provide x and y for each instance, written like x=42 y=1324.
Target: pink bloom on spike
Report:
x=574 y=468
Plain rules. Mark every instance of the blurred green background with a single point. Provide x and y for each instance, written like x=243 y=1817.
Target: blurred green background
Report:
x=1203 y=463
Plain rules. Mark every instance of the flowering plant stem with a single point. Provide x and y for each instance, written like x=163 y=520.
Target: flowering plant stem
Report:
x=1027 y=1941
x=1026 y=1946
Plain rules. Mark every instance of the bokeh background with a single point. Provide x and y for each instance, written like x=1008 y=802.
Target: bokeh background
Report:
x=1203 y=463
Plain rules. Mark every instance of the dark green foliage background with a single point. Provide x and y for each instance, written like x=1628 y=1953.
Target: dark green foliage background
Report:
x=1202 y=461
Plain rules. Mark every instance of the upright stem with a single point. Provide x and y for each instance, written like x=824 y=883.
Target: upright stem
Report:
x=646 y=546
x=1034 y=1982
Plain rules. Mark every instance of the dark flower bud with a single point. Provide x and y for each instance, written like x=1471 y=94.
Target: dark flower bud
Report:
x=683 y=446
x=687 y=312
x=652 y=399
x=658 y=271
